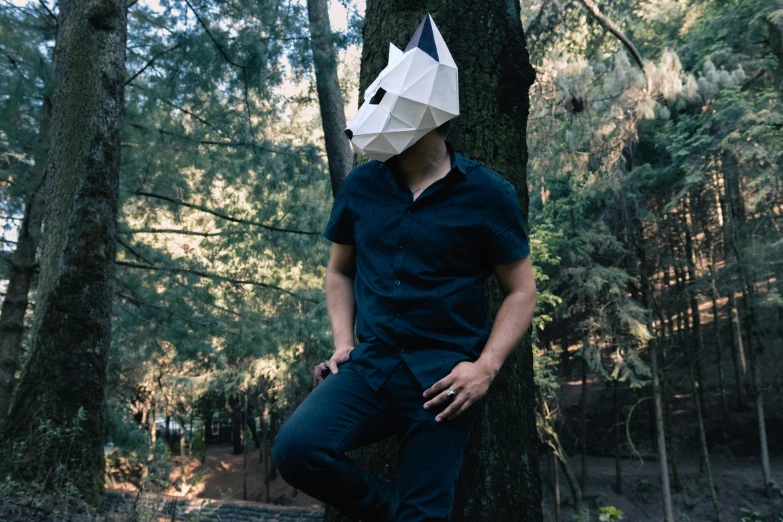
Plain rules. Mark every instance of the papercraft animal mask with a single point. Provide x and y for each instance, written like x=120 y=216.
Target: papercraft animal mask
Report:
x=415 y=93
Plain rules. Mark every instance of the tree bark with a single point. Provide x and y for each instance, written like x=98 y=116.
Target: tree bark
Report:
x=330 y=97
x=66 y=372
x=500 y=473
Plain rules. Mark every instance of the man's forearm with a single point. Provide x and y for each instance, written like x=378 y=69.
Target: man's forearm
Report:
x=341 y=306
x=512 y=321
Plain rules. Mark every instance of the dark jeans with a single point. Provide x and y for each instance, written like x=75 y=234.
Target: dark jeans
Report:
x=343 y=413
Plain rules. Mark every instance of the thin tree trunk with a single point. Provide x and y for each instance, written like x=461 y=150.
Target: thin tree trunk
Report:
x=618 y=441
x=724 y=400
x=272 y=435
x=663 y=461
x=583 y=418
x=737 y=218
x=669 y=282
x=697 y=336
x=183 y=481
x=727 y=222
x=244 y=449
x=65 y=376
x=495 y=75
x=556 y=479
x=236 y=424
x=704 y=452
x=22 y=267
x=268 y=464
x=330 y=97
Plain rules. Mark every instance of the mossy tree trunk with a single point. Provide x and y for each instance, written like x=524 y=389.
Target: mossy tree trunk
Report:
x=71 y=333
x=500 y=474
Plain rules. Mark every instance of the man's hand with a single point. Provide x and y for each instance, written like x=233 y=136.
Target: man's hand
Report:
x=341 y=354
x=469 y=380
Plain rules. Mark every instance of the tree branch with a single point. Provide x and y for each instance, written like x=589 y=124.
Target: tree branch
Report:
x=224 y=216
x=178 y=231
x=151 y=61
x=607 y=24
x=138 y=302
x=216 y=277
x=214 y=40
x=221 y=143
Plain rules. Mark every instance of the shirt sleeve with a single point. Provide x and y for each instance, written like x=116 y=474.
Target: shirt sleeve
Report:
x=340 y=226
x=506 y=236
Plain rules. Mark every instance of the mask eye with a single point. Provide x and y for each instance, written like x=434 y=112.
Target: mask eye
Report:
x=378 y=96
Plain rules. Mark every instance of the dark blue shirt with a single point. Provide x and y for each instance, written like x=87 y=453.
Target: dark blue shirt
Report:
x=421 y=265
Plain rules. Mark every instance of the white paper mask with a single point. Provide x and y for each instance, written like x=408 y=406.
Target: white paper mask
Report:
x=414 y=94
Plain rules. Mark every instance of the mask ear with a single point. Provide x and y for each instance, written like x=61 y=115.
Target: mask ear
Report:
x=394 y=52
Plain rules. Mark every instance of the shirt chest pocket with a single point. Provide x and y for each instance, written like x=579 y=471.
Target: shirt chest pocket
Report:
x=445 y=236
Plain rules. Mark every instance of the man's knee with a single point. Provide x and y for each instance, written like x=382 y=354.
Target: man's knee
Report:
x=296 y=453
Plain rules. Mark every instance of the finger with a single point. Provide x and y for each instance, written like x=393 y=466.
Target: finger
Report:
x=453 y=407
x=439 y=386
x=437 y=400
x=332 y=365
x=468 y=403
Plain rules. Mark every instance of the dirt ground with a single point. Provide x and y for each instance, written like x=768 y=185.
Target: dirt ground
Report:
x=220 y=478
x=738 y=482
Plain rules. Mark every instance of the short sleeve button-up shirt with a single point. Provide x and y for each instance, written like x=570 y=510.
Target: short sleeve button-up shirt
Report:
x=421 y=264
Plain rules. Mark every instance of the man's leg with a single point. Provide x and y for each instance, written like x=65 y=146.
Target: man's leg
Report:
x=431 y=452
x=340 y=414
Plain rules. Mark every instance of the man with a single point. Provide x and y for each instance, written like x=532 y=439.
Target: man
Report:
x=415 y=234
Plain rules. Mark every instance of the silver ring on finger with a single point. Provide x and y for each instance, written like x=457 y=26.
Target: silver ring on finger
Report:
x=324 y=365
x=451 y=393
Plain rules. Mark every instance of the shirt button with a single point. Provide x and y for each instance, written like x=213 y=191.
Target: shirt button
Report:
x=396 y=314
x=402 y=246
x=402 y=349
x=407 y=211
x=397 y=282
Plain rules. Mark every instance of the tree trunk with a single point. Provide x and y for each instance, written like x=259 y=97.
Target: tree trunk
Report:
x=727 y=222
x=236 y=424
x=265 y=452
x=500 y=473
x=736 y=216
x=583 y=419
x=556 y=480
x=704 y=458
x=697 y=341
x=724 y=401
x=618 y=441
x=272 y=435
x=23 y=266
x=183 y=481
x=246 y=412
x=663 y=461
x=65 y=376
x=330 y=97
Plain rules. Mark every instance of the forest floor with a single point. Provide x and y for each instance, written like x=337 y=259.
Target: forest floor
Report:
x=220 y=478
x=737 y=479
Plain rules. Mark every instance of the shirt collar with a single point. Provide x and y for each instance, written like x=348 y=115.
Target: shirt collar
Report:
x=457 y=160
x=458 y=163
